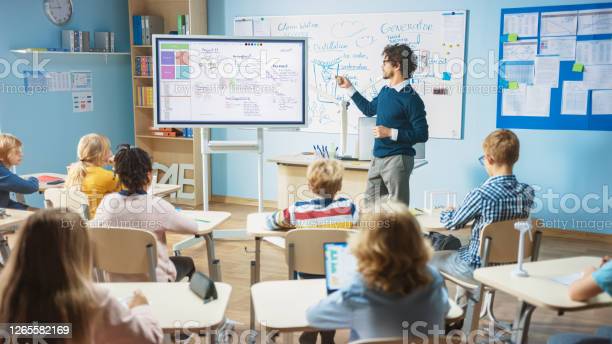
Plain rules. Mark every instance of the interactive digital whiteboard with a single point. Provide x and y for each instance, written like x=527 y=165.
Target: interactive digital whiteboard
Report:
x=214 y=81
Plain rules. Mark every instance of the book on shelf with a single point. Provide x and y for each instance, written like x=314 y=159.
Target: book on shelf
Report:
x=182 y=24
x=144 y=27
x=144 y=96
x=104 y=41
x=142 y=66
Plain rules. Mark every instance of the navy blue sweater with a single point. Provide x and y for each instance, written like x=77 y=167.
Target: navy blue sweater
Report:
x=403 y=111
x=10 y=182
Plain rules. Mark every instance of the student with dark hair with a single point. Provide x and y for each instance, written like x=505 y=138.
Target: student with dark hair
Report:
x=400 y=124
x=133 y=207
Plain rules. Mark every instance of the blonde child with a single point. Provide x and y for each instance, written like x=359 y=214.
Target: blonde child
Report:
x=394 y=284
x=89 y=174
x=48 y=280
x=11 y=155
x=324 y=211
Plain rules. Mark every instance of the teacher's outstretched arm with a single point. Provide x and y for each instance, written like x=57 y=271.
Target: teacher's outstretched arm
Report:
x=367 y=107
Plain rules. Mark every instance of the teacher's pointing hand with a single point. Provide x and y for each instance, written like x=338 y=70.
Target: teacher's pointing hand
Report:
x=343 y=82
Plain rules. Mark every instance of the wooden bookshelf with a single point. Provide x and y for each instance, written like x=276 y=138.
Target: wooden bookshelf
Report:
x=167 y=150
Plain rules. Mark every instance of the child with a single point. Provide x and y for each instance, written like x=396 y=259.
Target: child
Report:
x=593 y=282
x=134 y=208
x=394 y=285
x=500 y=198
x=324 y=180
x=88 y=173
x=48 y=280
x=11 y=155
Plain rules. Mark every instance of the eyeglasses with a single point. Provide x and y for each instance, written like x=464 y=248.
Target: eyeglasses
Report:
x=481 y=160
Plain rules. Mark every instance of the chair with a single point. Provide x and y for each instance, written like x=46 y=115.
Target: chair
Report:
x=124 y=251
x=71 y=199
x=304 y=249
x=498 y=246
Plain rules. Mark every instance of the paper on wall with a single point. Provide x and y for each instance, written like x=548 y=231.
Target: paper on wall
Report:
x=559 y=23
x=513 y=101
x=598 y=76
x=594 y=52
x=81 y=80
x=537 y=101
x=593 y=22
x=59 y=81
x=574 y=98
x=82 y=101
x=519 y=71
x=547 y=71
x=523 y=50
x=522 y=24
x=565 y=47
x=602 y=102
x=261 y=27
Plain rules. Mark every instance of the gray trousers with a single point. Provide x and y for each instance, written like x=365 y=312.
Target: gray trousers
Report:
x=389 y=178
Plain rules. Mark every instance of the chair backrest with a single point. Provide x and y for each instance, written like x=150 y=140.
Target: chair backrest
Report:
x=304 y=248
x=501 y=241
x=71 y=199
x=125 y=251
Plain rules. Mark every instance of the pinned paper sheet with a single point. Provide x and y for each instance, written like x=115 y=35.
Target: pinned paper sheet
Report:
x=578 y=68
x=524 y=50
x=602 y=102
x=513 y=101
x=594 y=22
x=519 y=71
x=575 y=98
x=547 y=71
x=243 y=27
x=565 y=47
x=82 y=102
x=559 y=23
x=598 y=77
x=537 y=101
x=522 y=24
x=594 y=52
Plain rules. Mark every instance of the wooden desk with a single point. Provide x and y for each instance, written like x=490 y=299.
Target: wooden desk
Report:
x=175 y=306
x=292 y=184
x=207 y=221
x=539 y=290
x=160 y=190
x=282 y=305
x=9 y=224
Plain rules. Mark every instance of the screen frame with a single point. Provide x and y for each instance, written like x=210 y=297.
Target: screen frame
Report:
x=158 y=123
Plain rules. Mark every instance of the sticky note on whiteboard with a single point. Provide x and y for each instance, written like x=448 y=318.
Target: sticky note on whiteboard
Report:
x=446 y=76
x=512 y=37
x=578 y=68
x=513 y=85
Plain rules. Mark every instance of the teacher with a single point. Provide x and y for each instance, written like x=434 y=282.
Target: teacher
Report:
x=400 y=123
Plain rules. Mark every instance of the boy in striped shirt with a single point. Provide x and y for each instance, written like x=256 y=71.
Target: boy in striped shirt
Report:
x=324 y=180
x=500 y=198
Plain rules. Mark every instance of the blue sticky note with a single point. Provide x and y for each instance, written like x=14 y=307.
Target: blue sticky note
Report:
x=504 y=38
x=446 y=76
x=503 y=83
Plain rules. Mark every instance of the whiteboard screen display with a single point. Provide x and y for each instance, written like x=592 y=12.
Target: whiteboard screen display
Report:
x=229 y=81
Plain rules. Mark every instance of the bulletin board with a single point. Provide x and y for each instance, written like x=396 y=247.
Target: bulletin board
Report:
x=555 y=69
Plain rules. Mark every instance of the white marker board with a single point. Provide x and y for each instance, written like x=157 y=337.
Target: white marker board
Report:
x=351 y=45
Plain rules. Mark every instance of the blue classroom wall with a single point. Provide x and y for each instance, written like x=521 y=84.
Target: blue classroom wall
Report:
x=45 y=122
x=571 y=170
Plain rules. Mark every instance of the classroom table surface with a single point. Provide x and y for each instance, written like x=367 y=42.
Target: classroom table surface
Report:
x=430 y=222
x=13 y=219
x=206 y=220
x=307 y=159
x=175 y=306
x=277 y=307
x=539 y=289
x=160 y=190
